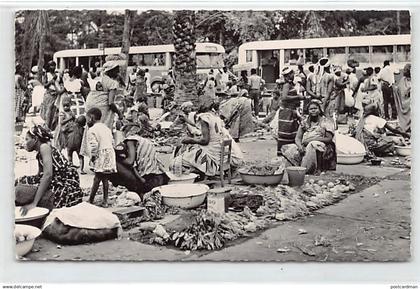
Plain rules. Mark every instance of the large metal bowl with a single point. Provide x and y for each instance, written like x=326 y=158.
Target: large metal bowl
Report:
x=350 y=159
x=23 y=248
x=183 y=179
x=185 y=196
x=34 y=217
x=252 y=179
x=403 y=150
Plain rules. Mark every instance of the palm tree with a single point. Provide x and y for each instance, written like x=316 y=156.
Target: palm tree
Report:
x=128 y=19
x=184 y=61
x=41 y=30
x=36 y=29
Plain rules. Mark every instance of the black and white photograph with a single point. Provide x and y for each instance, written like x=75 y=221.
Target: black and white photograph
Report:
x=212 y=135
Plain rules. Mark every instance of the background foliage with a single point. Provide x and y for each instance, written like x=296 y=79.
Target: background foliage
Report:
x=71 y=29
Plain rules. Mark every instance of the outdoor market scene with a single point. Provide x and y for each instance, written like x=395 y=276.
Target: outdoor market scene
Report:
x=212 y=135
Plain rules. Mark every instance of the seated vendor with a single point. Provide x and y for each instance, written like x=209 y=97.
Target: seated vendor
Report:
x=202 y=154
x=185 y=120
x=371 y=131
x=171 y=114
x=314 y=147
x=138 y=167
x=57 y=183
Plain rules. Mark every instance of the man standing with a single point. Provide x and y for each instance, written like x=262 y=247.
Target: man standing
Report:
x=255 y=82
x=386 y=75
x=326 y=82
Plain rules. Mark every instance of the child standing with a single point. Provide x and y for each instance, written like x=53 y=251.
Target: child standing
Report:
x=102 y=153
x=74 y=141
x=67 y=119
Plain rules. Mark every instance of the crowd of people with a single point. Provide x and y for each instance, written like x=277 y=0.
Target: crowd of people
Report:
x=107 y=122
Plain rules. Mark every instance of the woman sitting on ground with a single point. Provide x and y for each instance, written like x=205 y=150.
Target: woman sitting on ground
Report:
x=57 y=183
x=314 y=147
x=371 y=129
x=202 y=154
x=138 y=167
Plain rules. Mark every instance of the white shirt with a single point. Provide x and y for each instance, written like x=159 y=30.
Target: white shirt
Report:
x=387 y=74
x=100 y=138
x=373 y=123
x=255 y=81
x=353 y=81
x=148 y=77
x=224 y=77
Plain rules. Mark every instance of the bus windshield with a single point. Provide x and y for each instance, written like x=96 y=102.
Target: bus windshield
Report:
x=209 y=60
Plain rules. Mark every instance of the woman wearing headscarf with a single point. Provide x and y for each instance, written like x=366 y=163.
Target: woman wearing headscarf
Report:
x=138 y=167
x=140 y=93
x=286 y=122
x=371 y=129
x=314 y=146
x=371 y=89
x=107 y=89
x=49 y=109
x=57 y=183
x=402 y=96
x=184 y=121
x=336 y=102
x=202 y=154
x=237 y=114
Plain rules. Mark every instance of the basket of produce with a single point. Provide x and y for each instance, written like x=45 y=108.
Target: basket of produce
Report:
x=262 y=174
x=185 y=196
x=25 y=237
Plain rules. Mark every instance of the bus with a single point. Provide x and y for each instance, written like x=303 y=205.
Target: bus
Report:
x=269 y=57
x=157 y=58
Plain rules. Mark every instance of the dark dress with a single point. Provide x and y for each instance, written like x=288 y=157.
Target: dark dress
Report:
x=288 y=121
x=65 y=184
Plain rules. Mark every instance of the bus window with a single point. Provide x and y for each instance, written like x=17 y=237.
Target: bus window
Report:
x=70 y=62
x=403 y=53
x=291 y=56
x=313 y=54
x=209 y=60
x=149 y=59
x=131 y=61
x=360 y=54
x=84 y=61
x=249 y=56
x=337 y=55
x=381 y=53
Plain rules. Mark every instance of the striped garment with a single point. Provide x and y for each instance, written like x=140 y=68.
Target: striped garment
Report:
x=146 y=161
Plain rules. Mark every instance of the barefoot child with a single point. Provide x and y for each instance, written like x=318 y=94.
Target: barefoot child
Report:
x=102 y=153
x=74 y=141
x=67 y=119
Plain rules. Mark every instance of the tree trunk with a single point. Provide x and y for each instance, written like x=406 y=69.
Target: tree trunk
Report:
x=42 y=30
x=398 y=22
x=184 y=61
x=126 y=40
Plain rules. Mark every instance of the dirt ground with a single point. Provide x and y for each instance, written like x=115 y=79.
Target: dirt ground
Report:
x=370 y=225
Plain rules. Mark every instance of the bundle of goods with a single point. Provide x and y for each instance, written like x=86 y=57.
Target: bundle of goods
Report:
x=83 y=223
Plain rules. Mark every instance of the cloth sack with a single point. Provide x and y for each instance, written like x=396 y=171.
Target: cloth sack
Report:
x=83 y=223
x=348 y=145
